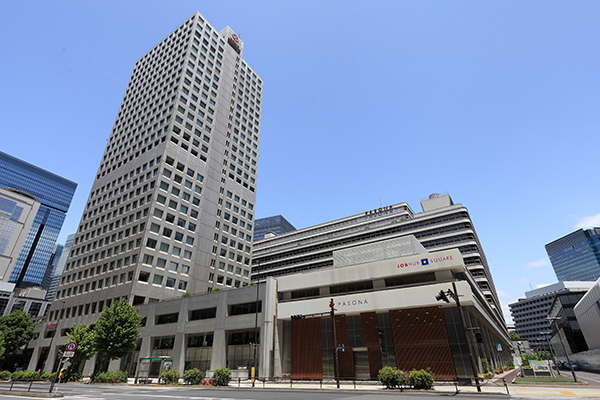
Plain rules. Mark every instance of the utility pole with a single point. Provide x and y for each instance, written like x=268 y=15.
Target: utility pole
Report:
x=454 y=294
x=335 y=350
x=254 y=369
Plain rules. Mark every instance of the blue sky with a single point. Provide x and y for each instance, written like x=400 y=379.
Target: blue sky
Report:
x=496 y=103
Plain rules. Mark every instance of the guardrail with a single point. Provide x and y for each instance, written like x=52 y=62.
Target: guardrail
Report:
x=25 y=386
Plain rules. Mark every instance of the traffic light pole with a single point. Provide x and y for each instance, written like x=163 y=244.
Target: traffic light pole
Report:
x=454 y=295
x=335 y=351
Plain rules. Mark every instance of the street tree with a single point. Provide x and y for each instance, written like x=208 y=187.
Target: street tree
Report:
x=117 y=330
x=85 y=338
x=16 y=329
x=514 y=335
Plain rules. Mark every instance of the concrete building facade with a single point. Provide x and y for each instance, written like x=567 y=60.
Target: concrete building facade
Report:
x=529 y=313
x=171 y=209
x=442 y=225
x=386 y=313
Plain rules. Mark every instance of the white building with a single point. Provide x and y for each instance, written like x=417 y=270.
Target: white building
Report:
x=529 y=313
x=173 y=199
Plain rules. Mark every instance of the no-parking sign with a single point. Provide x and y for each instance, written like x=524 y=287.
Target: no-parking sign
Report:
x=71 y=346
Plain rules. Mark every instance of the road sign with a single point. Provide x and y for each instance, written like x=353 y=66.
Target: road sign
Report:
x=71 y=346
x=68 y=354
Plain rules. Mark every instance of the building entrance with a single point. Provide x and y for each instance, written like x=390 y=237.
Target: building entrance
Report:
x=361 y=365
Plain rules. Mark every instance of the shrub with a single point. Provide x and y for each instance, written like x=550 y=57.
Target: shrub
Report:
x=51 y=377
x=510 y=364
x=422 y=379
x=498 y=371
x=45 y=376
x=73 y=376
x=25 y=376
x=193 y=376
x=389 y=377
x=5 y=375
x=171 y=376
x=207 y=382
x=110 y=377
x=221 y=377
x=485 y=365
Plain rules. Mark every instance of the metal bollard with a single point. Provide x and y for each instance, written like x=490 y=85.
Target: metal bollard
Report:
x=354 y=383
x=456 y=386
x=321 y=383
x=291 y=380
x=506 y=386
x=30 y=383
x=239 y=381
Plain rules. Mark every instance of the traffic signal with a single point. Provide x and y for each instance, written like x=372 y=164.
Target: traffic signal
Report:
x=331 y=303
x=297 y=317
x=442 y=296
x=478 y=336
x=62 y=373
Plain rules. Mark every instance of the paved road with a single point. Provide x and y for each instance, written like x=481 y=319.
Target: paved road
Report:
x=119 y=392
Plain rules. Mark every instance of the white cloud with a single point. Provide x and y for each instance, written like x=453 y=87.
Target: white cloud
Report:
x=542 y=262
x=588 y=222
x=520 y=282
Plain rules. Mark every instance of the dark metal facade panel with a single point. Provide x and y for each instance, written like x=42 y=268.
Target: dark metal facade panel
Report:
x=421 y=341
x=306 y=349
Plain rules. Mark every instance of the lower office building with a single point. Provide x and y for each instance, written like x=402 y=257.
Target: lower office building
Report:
x=442 y=225
x=529 y=313
x=386 y=313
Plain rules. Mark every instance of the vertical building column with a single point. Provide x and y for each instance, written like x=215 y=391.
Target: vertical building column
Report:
x=219 y=350
x=179 y=352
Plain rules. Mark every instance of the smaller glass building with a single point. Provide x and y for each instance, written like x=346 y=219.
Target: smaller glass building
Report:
x=276 y=224
x=576 y=256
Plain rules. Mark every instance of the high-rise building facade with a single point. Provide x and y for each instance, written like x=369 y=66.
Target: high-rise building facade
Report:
x=275 y=224
x=54 y=194
x=173 y=198
x=60 y=266
x=442 y=225
x=576 y=256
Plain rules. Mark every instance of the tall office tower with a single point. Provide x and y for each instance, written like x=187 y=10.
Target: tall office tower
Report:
x=576 y=256
x=60 y=266
x=276 y=225
x=54 y=194
x=442 y=225
x=529 y=313
x=173 y=199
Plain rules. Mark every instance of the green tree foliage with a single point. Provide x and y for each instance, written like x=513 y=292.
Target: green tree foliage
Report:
x=514 y=336
x=16 y=330
x=117 y=330
x=84 y=336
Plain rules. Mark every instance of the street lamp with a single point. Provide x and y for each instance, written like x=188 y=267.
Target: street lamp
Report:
x=454 y=294
x=554 y=319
